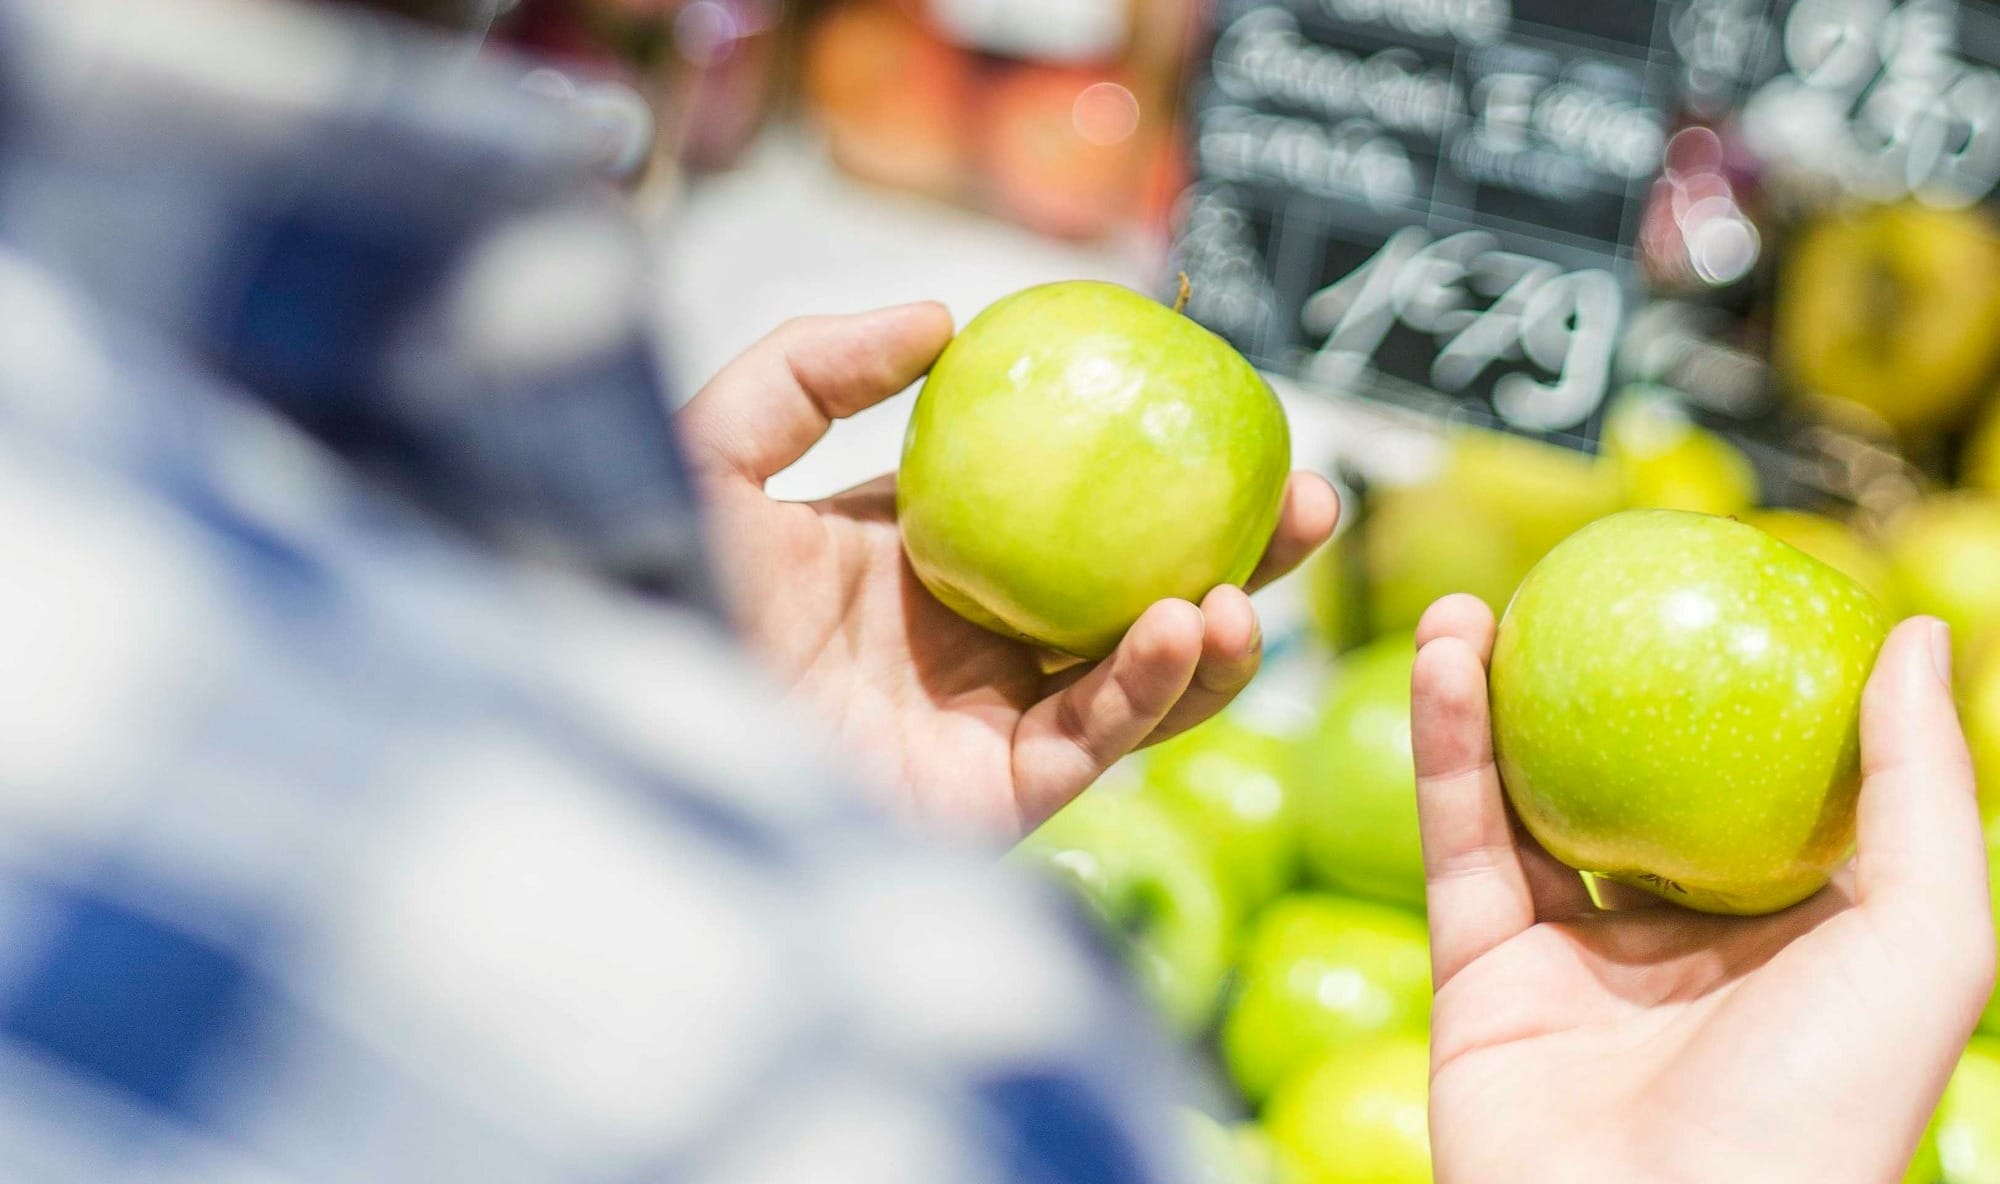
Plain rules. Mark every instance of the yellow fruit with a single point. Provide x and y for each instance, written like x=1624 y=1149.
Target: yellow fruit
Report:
x=1669 y=463
x=1893 y=309
x=1539 y=493
x=1979 y=708
x=1980 y=466
x=1830 y=541
x=1410 y=545
x=1944 y=561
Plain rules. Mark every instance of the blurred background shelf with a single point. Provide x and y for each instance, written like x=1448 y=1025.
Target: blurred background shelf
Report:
x=787 y=234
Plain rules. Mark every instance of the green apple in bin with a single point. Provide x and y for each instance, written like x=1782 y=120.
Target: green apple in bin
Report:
x=1420 y=542
x=1979 y=711
x=1229 y=779
x=1320 y=973
x=1542 y=493
x=1360 y=1116
x=1356 y=783
x=1990 y=1023
x=1080 y=451
x=1675 y=704
x=1968 y=1122
x=1927 y=1165
x=1153 y=885
x=1944 y=560
x=1670 y=463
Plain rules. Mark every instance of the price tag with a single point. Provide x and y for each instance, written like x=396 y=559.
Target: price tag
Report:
x=1473 y=321
x=1430 y=201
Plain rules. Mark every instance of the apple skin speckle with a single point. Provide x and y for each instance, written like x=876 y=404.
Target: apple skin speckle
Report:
x=1639 y=740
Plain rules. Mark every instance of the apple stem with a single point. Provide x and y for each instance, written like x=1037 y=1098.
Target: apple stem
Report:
x=1180 y=301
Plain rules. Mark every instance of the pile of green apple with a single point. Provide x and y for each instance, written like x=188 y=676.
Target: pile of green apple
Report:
x=1266 y=880
x=1080 y=451
x=1273 y=917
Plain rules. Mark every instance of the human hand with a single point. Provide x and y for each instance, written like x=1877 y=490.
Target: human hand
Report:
x=974 y=730
x=1642 y=1042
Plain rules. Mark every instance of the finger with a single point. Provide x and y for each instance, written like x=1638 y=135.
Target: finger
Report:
x=763 y=411
x=1232 y=647
x=1477 y=886
x=1310 y=511
x=1067 y=740
x=1921 y=856
x=1461 y=615
x=1558 y=891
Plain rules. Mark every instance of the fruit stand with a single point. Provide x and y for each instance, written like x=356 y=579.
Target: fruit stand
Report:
x=1795 y=342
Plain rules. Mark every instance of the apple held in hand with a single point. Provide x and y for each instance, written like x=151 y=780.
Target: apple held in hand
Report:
x=1357 y=782
x=1360 y=1116
x=1321 y=974
x=1154 y=886
x=1079 y=452
x=1675 y=706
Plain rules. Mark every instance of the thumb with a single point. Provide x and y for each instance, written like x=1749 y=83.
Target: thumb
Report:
x=768 y=407
x=1922 y=856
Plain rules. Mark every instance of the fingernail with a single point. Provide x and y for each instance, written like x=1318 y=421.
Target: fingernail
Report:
x=1941 y=651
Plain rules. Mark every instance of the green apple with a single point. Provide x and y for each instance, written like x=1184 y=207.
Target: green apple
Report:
x=1494 y=505
x=1420 y=542
x=1539 y=493
x=1979 y=464
x=1359 y=1116
x=1320 y=973
x=1670 y=463
x=1990 y=1022
x=1830 y=541
x=1079 y=452
x=1927 y=1165
x=1944 y=560
x=1230 y=779
x=1979 y=710
x=1675 y=704
x=1154 y=886
x=1335 y=590
x=1892 y=310
x=1219 y=1154
x=1356 y=784
x=1407 y=546
x=1968 y=1126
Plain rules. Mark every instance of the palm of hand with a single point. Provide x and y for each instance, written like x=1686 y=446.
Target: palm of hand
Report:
x=936 y=700
x=1644 y=1042
x=1657 y=1029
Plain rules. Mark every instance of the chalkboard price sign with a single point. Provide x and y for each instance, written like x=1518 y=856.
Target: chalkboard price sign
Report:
x=1430 y=201
x=1882 y=99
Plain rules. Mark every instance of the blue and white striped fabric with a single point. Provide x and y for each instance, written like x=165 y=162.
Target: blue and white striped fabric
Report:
x=347 y=832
